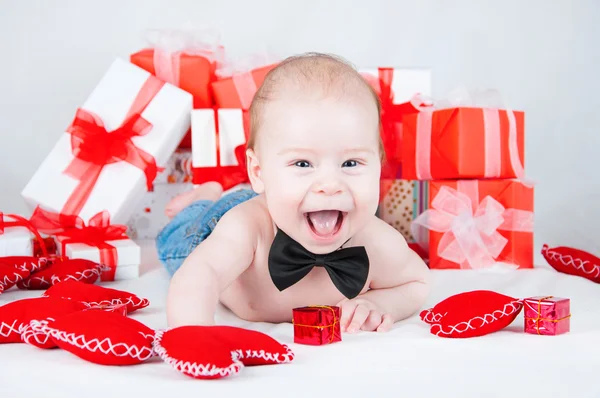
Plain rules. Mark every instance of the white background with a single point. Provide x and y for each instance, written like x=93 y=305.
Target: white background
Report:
x=542 y=55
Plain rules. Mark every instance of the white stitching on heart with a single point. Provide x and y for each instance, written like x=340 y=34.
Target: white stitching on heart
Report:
x=267 y=356
x=433 y=317
x=7 y=329
x=570 y=261
x=141 y=303
x=36 y=332
x=193 y=368
x=461 y=327
x=42 y=282
x=6 y=281
x=105 y=346
x=34 y=267
x=77 y=276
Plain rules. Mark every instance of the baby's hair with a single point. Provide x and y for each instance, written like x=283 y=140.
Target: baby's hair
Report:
x=325 y=74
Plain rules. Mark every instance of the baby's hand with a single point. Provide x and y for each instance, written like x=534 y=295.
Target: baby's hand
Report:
x=360 y=314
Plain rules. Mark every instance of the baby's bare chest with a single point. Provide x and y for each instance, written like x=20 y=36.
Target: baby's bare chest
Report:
x=254 y=296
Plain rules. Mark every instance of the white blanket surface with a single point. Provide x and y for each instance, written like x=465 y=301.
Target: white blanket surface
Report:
x=405 y=362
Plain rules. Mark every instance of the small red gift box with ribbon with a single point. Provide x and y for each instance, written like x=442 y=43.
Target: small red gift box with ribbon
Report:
x=475 y=224
x=460 y=140
x=109 y=156
x=186 y=59
x=317 y=325
x=219 y=147
x=549 y=315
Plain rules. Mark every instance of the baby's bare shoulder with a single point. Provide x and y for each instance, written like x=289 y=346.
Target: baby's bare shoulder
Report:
x=252 y=214
x=391 y=259
x=381 y=240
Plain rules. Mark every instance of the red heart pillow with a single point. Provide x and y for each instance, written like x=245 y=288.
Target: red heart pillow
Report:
x=573 y=262
x=28 y=263
x=472 y=314
x=210 y=352
x=16 y=315
x=62 y=270
x=96 y=296
x=102 y=337
x=10 y=276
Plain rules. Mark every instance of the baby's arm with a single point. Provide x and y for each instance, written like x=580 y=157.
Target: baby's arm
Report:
x=399 y=282
x=195 y=288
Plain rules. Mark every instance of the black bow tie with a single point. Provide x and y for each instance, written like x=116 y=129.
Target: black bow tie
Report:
x=289 y=262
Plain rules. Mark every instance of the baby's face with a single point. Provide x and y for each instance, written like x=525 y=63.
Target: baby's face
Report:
x=320 y=167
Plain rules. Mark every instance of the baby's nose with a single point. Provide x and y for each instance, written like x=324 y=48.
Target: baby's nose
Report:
x=329 y=188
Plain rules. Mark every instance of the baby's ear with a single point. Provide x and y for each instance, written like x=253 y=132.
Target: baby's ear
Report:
x=254 y=172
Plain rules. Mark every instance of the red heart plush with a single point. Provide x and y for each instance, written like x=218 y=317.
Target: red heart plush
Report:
x=210 y=352
x=573 y=262
x=102 y=337
x=10 y=276
x=16 y=315
x=62 y=270
x=96 y=296
x=472 y=314
x=27 y=263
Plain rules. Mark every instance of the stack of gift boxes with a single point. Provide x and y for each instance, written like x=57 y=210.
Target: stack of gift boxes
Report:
x=479 y=209
x=453 y=183
x=155 y=124
x=213 y=148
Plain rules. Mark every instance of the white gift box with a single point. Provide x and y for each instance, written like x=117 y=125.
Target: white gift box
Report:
x=150 y=218
x=406 y=82
x=120 y=185
x=16 y=241
x=129 y=256
x=204 y=137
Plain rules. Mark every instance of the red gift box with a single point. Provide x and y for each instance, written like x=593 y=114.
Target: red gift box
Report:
x=238 y=90
x=549 y=316
x=317 y=325
x=477 y=224
x=462 y=143
x=191 y=69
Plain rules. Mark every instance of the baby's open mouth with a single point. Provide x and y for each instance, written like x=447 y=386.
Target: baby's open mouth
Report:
x=325 y=223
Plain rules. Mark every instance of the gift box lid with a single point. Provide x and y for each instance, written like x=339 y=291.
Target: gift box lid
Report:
x=406 y=82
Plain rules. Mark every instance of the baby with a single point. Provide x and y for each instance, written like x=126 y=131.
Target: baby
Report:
x=307 y=233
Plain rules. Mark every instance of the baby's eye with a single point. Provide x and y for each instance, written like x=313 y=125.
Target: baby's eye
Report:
x=350 y=163
x=302 y=163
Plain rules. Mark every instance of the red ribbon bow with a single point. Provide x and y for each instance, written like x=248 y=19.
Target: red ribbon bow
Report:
x=22 y=222
x=72 y=229
x=94 y=147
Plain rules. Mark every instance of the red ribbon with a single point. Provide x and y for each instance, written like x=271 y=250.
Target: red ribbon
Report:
x=227 y=176
x=97 y=233
x=94 y=147
x=391 y=130
x=22 y=222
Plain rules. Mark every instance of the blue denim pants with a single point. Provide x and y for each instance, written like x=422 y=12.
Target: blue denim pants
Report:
x=192 y=225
